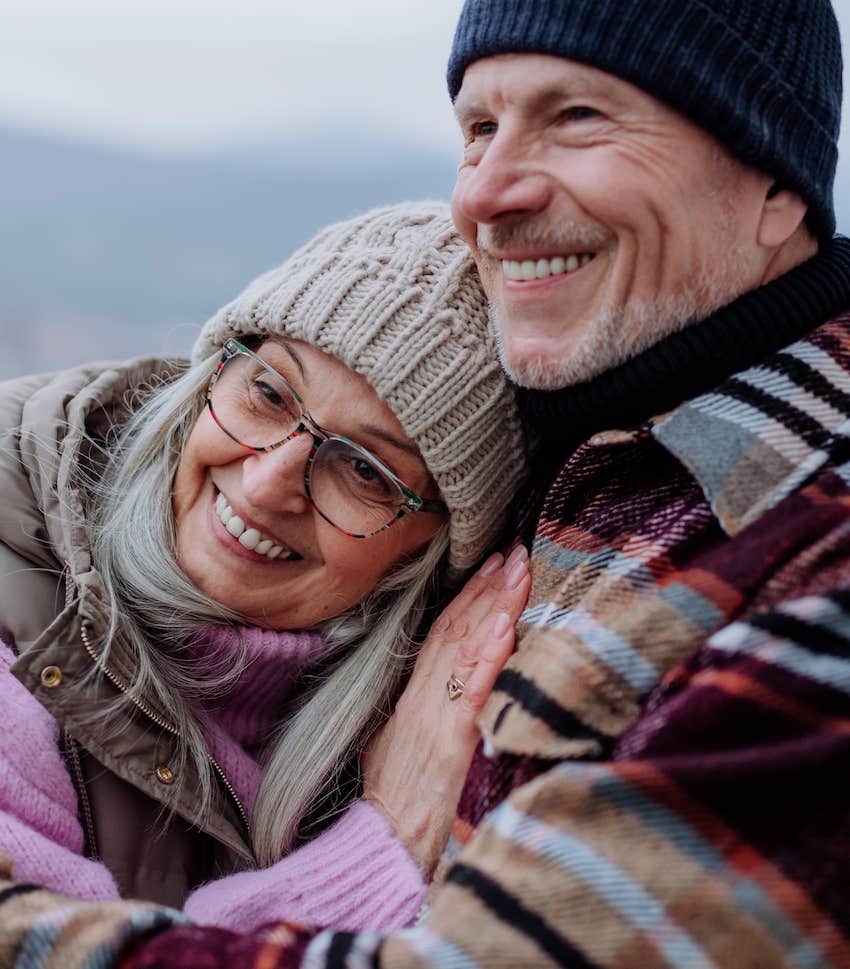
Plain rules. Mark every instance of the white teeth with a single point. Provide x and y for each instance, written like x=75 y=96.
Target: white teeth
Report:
x=530 y=269
x=250 y=538
x=225 y=512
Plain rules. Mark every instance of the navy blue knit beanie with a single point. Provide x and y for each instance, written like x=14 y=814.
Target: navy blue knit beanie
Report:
x=763 y=76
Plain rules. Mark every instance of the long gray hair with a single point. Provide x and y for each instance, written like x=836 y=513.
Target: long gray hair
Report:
x=156 y=609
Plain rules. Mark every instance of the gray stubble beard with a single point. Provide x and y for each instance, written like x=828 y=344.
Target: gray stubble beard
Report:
x=619 y=333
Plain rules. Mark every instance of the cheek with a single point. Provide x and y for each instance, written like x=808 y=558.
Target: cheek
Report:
x=349 y=574
x=355 y=566
x=206 y=447
x=186 y=480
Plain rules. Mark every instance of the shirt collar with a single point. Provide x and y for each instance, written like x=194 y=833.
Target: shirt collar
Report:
x=761 y=433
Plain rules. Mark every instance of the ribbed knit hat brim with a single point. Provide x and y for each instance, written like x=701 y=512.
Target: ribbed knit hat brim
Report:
x=395 y=295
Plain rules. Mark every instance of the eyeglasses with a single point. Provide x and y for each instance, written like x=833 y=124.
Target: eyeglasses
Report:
x=349 y=487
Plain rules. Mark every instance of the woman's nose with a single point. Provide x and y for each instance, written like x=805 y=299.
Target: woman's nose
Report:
x=275 y=479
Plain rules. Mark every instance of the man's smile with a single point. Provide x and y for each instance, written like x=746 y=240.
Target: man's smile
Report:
x=526 y=270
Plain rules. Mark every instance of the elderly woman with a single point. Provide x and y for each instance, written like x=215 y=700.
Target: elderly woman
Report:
x=215 y=578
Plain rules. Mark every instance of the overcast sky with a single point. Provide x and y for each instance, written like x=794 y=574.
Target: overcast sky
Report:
x=183 y=75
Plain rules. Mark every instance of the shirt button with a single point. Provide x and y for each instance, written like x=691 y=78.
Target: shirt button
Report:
x=165 y=775
x=51 y=676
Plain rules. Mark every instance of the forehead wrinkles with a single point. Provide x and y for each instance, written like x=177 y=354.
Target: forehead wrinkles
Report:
x=534 y=83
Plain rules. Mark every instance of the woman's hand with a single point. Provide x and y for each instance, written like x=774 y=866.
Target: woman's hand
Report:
x=415 y=766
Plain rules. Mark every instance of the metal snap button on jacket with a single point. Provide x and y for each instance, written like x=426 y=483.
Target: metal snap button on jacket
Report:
x=51 y=676
x=165 y=775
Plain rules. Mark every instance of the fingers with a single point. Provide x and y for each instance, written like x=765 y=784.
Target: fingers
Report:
x=502 y=591
x=494 y=587
x=465 y=624
x=480 y=655
x=415 y=766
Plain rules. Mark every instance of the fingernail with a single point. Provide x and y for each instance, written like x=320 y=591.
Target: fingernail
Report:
x=502 y=625
x=517 y=572
x=519 y=554
x=493 y=564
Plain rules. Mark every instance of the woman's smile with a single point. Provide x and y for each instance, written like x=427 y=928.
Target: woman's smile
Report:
x=241 y=536
x=248 y=534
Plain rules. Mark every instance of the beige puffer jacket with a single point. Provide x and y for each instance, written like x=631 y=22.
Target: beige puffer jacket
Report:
x=53 y=614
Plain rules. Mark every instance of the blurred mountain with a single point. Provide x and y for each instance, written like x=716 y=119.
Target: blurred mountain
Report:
x=106 y=253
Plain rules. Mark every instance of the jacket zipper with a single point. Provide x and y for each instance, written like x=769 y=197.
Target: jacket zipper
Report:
x=164 y=724
x=73 y=753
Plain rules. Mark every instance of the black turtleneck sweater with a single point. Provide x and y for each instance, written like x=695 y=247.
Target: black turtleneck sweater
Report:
x=681 y=366
x=692 y=361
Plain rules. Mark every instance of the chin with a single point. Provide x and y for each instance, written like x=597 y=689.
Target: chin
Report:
x=533 y=361
x=536 y=370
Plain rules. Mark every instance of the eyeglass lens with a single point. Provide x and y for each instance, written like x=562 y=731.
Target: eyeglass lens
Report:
x=256 y=406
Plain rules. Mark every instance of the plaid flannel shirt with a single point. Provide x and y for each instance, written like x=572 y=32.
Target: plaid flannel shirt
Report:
x=664 y=776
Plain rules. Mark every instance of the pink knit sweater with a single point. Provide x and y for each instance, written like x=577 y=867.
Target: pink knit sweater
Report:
x=356 y=874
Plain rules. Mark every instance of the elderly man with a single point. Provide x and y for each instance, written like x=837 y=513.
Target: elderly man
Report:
x=647 y=187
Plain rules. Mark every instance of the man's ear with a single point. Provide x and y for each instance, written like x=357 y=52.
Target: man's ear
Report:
x=782 y=214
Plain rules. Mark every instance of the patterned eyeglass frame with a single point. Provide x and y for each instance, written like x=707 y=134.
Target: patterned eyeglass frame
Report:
x=306 y=424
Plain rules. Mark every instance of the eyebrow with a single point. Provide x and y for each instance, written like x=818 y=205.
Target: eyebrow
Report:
x=541 y=101
x=295 y=358
x=465 y=112
x=372 y=430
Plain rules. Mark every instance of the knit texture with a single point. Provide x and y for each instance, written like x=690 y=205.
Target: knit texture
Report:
x=356 y=873
x=239 y=724
x=39 y=827
x=332 y=878
x=394 y=294
x=697 y=358
x=763 y=76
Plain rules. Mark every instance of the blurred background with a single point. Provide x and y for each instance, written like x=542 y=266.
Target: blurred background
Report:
x=155 y=157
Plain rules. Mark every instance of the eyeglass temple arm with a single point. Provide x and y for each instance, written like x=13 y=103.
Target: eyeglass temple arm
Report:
x=439 y=507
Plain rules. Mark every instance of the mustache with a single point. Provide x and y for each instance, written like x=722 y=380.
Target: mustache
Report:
x=564 y=236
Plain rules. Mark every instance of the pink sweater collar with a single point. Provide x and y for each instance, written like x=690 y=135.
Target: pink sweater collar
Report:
x=239 y=723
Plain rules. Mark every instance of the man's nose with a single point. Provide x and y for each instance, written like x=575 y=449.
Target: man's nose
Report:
x=275 y=479
x=505 y=183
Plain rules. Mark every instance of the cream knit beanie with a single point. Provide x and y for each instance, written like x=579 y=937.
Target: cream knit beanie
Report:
x=394 y=294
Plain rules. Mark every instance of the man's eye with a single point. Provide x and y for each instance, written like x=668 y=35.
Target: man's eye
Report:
x=481 y=129
x=580 y=112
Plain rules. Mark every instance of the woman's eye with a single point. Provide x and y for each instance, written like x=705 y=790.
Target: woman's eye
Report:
x=365 y=471
x=369 y=477
x=266 y=398
x=268 y=393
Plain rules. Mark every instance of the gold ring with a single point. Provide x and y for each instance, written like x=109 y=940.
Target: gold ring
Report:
x=455 y=686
